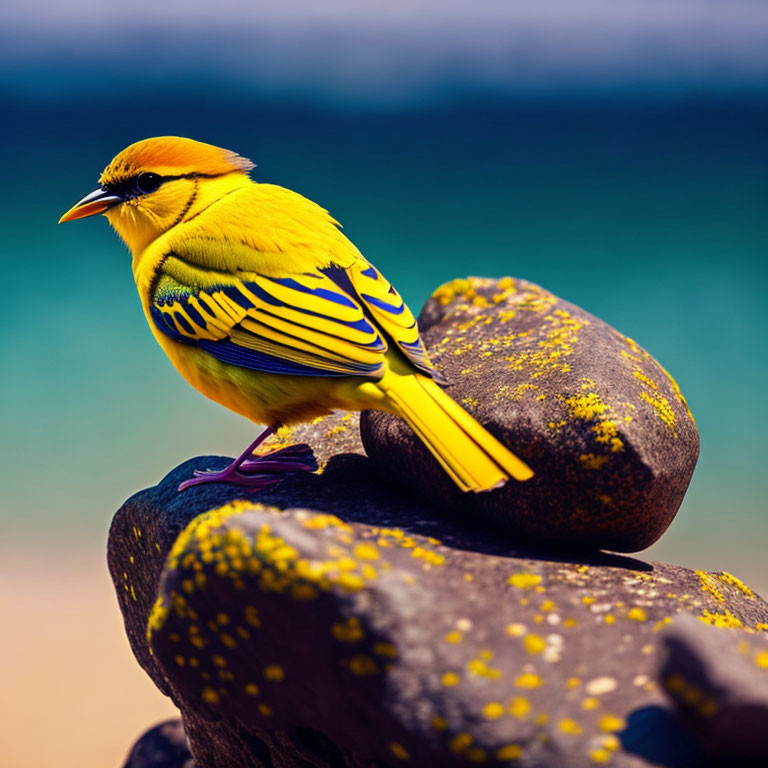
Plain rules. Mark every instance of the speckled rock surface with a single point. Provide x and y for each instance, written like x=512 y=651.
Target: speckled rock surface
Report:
x=603 y=425
x=339 y=623
x=719 y=682
x=163 y=746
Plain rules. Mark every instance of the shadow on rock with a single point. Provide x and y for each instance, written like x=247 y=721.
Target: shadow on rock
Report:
x=352 y=488
x=655 y=734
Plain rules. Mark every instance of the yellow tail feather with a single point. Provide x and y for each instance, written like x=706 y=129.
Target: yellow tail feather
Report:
x=474 y=458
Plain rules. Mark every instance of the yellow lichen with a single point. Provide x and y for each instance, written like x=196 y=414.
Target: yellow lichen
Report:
x=480 y=668
x=586 y=407
x=509 y=752
x=662 y=408
x=519 y=707
x=678 y=394
x=157 y=617
x=439 y=723
x=737 y=583
x=348 y=631
x=493 y=710
x=514 y=393
x=433 y=558
x=459 y=287
x=363 y=665
x=591 y=408
x=319 y=522
x=524 y=580
x=726 y=619
x=559 y=343
x=570 y=726
x=528 y=680
x=611 y=723
x=385 y=649
x=450 y=679
x=607 y=433
x=274 y=672
x=638 y=374
x=399 y=751
x=460 y=742
x=593 y=460
x=534 y=643
x=366 y=551
x=515 y=630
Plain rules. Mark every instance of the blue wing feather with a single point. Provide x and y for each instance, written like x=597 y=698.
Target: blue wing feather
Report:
x=415 y=350
x=288 y=325
x=174 y=314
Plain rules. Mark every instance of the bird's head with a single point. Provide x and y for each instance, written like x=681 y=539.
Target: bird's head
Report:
x=156 y=183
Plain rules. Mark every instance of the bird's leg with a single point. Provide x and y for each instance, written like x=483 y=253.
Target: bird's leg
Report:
x=257 y=473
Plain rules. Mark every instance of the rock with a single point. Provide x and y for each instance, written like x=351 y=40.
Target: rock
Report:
x=334 y=621
x=603 y=425
x=718 y=680
x=164 y=746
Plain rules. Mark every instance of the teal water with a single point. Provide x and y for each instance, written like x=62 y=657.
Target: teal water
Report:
x=650 y=213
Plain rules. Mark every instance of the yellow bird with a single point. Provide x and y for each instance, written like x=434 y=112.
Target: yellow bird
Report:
x=263 y=305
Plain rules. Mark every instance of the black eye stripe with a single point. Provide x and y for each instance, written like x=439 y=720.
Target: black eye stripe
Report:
x=130 y=187
x=133 y=186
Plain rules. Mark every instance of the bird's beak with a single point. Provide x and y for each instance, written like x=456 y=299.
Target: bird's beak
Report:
x=96 y=202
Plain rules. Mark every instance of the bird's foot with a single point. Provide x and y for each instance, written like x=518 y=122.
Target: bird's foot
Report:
x=260 y=472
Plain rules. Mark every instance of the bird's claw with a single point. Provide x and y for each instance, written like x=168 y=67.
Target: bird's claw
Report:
x=261 y=472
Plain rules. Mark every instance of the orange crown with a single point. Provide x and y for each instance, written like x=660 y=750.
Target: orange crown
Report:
x=173 y=156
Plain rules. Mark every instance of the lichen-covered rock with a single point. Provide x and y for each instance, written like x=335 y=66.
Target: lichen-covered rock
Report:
x=164 y=746
x=337 y=623
x=602 y=424
x=718 y=681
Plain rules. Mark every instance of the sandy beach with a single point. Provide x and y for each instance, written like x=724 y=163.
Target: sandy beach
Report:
x=72 y=695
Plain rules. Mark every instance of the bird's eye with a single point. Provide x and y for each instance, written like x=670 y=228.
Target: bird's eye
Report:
x=148 y=182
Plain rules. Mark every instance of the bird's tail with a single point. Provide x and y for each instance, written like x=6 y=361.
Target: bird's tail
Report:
x=472 y=456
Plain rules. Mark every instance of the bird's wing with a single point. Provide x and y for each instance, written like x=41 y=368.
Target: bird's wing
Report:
x=269 y=282
x=390 y=313
x=302 y=325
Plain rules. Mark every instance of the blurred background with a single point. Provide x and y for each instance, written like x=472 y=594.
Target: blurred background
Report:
x=614 y=151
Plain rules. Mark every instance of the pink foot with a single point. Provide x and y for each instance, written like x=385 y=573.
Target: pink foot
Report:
x=257 y=473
